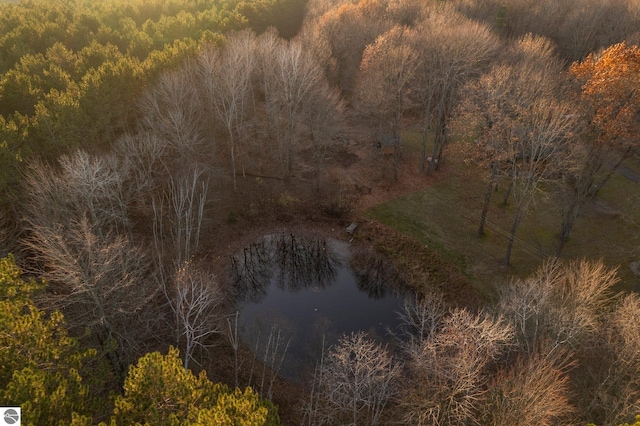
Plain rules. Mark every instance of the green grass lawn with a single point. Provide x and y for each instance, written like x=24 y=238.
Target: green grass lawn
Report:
x=445 y=216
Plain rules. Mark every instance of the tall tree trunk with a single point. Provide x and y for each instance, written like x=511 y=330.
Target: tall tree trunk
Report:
x=425 y=129
x=579 y=188
x=233 y=160
x=443 y=142
x=288 y=152
x=512 y=235
x=319 y=152
x=563 y=238
x=505 y=200
x=487 y=198
x=396 y=155
x=318 y=178
x=569 y=217
x=438 y=142
x=423 y=150
x=613 y=169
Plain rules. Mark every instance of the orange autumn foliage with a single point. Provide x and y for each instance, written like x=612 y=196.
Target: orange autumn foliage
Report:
x=611 y=94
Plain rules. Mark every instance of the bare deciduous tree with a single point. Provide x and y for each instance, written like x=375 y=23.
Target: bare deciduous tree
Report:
x=171 y=109
x=355 y=382
x=275 y=349
x=607 y=383
x=226 y=75
x=421 y=318
x=325 y=120
x=77 y=223
x=495 y=102
x=537 y=152
x=533 y=390
x=272 y=342
x=178 y=215
x=142 y=162
x=454 y=50
x=559 y=304
x=195 y=301
x=98 y=279
x=449 y=370
x=386 y=78
x=525 y=132
x=577 y=28
x=232 y=335
x=626 y=320
x=291 y=76
x=341 y=35
x=84 y=186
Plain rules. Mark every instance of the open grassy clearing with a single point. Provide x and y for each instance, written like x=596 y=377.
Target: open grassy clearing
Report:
x=445 y=216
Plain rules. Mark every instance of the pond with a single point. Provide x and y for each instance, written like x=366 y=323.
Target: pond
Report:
x=297 y=294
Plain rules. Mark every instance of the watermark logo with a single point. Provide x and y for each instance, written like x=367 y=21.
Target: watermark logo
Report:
x=10 y=416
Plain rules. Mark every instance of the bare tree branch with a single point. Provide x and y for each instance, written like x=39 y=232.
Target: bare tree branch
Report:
x=355 y=382
x=449 y=369
x=196 y=300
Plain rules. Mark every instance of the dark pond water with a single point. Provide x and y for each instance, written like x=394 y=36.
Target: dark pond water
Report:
x=298 y=293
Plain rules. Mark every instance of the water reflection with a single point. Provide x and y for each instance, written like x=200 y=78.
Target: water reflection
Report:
x=375 y=274
x=303 y=262
x=313 y=289
x=252 y=272
x=293 y=261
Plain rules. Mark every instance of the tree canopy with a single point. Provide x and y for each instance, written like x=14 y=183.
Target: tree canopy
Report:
x=611 y=94
x=70 y=71
x=130 y=128
x=41 y=367
x=46 y=373
x=160 y=391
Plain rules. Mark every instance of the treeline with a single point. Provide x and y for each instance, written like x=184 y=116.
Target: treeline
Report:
x=88 y=137
x=125 y=119
x=55 y=380
x=576 y=28
x=70 y=72
x=541 y=355
x=121 y=231
x=557 y=348
x=531 y=118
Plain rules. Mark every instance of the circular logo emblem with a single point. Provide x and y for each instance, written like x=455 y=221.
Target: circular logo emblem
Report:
x=11 y=416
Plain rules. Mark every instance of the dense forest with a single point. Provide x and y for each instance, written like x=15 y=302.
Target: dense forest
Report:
x=72 y=71
x=143 y=141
